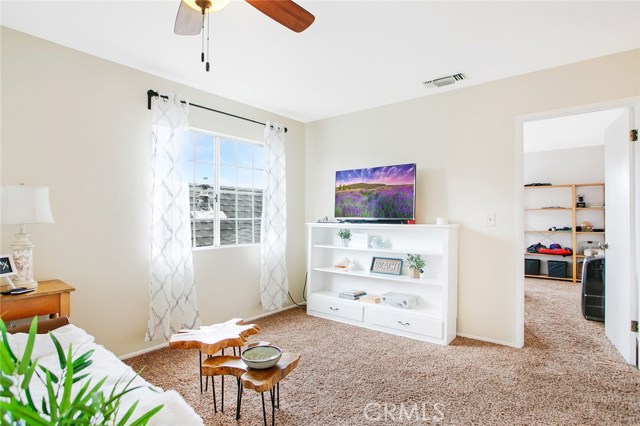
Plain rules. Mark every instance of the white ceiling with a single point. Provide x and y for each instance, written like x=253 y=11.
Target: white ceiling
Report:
x=357 y=54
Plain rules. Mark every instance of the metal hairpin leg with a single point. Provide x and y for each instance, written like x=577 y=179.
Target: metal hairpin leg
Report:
x=264 y=411
x=222 y=398
x=213 y=391
x=239 y=399
x=273 y=406
x=200 y=368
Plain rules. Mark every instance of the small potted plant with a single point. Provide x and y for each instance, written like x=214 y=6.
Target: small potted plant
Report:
x=345 y=236
x=416 y=263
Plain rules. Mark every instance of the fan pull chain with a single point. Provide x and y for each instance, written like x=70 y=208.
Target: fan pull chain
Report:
x=202 y=53
x=208 y=30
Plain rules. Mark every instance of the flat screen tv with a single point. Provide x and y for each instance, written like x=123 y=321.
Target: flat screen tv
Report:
x=386 y=193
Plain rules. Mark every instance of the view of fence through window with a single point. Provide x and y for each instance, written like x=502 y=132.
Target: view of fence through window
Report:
x=226 y=179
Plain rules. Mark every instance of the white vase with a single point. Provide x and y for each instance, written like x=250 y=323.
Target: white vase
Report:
x=345 y=242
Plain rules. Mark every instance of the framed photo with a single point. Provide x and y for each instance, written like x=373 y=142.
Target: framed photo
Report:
x=7 y=267
x=386 y=265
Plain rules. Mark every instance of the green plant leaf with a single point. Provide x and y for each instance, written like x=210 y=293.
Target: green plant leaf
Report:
x=32 y=417
x=7 y=361
x=50 y=374
x=27 y=392
x=83 y=361
x=68 y=381
x=53 y=401
x=26 y=380
x=5 y=340
x=127 y=415
x=80 y=377
x=28 y=349
x=61 y=358
x=44 y=406
x=144 y=419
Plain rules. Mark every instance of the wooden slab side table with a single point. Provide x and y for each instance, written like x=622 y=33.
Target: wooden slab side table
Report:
x=210 y=340
x=52 y=297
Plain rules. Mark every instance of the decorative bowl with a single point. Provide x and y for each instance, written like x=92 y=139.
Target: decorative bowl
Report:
x=261 y=357
x=344 y=264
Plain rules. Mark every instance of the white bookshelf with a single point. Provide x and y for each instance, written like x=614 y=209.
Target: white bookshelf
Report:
x=432 y=320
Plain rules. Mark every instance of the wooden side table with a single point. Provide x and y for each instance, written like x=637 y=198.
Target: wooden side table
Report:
x=51 y=298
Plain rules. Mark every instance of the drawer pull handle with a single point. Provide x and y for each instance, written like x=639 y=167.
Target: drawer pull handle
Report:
x=404 y=323
x=334 y=309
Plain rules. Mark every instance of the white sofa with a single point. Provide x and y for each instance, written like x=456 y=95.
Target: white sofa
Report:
x=105 y=364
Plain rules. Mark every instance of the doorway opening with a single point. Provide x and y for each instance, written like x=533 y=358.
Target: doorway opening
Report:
x=567 y=171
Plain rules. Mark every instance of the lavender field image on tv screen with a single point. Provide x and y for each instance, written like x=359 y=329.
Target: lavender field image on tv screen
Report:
x=376 y=193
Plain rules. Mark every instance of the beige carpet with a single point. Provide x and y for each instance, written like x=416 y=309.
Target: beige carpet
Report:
x=567 y=373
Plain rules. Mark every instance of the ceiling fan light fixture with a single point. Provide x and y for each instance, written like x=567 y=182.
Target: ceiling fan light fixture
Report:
x=207 y=5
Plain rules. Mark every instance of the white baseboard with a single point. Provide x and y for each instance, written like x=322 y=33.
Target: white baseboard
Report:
x=165 y=344
x=144 y=351
x=485 y=339
x=277 y=311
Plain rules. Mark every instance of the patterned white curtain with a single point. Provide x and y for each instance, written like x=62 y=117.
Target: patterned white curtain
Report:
x=173 y=303
x=274 y=282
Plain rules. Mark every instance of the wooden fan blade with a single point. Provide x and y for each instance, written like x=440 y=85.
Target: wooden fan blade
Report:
x=188 y=21
x=286 y=12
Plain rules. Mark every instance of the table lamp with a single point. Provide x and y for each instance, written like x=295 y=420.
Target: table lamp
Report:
x=22 y=205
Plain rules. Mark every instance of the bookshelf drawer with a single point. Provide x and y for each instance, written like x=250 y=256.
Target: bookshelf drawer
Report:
x=337 y=308
x=409 y=323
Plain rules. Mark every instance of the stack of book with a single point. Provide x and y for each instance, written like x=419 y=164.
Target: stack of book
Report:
x=370 y=298
x=352 y=294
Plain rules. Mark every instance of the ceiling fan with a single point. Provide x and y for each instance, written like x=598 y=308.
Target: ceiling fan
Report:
x=190 y=19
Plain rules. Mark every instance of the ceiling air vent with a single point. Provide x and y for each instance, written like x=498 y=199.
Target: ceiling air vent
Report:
x=444 y=81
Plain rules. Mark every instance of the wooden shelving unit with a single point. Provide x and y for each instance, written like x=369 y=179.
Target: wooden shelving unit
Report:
x=536 y=212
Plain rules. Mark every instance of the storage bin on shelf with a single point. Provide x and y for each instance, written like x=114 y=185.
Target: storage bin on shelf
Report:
x=532 y=266
x=557 y=268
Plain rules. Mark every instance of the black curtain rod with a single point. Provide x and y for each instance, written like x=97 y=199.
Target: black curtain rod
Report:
x=153 y=94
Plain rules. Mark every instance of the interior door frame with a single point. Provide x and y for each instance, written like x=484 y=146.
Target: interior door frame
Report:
x=520 y=120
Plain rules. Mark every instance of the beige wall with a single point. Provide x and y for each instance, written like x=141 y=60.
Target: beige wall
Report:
x=80 y=125
x=463 y=142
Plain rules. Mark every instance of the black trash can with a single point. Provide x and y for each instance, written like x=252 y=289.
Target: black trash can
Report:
x=593 y=285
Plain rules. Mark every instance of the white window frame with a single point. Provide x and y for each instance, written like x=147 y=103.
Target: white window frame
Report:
x=217 y=190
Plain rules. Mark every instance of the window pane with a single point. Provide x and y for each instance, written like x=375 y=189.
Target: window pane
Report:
x=257 y=205
x=245 y=232
x=256 y=230
x=245 y=151
x=204 y=233
x=259 y=179
x=227 y=205
x=227 y=152
x=259 y=157
x=244 y=179
x=209 y=163
x=227 y=232
x=205 y=173
x=227 y=178
x=204 y=147
x=245 y=207
x=203 y=205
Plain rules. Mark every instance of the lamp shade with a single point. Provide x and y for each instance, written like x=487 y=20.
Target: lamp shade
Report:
x=23 y=204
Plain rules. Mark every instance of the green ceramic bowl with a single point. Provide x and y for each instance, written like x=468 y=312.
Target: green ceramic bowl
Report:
x=261 y=357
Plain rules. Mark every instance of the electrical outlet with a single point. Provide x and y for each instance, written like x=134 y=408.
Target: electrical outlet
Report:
x=491 y=220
